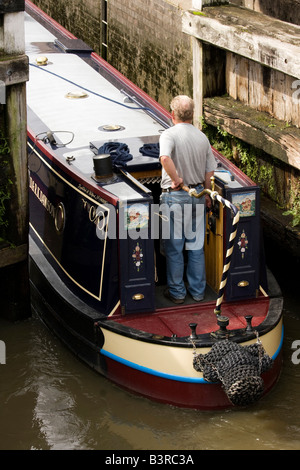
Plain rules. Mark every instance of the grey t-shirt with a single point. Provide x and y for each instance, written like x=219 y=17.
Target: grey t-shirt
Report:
x=190 y=151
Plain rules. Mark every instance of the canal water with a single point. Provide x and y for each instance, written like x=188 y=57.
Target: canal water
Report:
x=50 y=400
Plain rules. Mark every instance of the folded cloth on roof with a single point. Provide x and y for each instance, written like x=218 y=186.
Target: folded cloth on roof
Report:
x=150 y=150
x=118 y=151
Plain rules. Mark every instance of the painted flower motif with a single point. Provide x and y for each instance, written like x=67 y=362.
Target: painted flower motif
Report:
x=243 y=243
x=137 y=256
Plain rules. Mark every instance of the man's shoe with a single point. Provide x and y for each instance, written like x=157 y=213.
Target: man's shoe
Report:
x=173 y=299
x=198 y=299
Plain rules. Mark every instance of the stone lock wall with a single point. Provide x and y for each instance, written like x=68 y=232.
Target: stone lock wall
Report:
x=81 y=18
x=147 y=45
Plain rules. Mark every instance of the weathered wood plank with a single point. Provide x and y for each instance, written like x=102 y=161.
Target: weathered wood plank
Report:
x=255 y=128
x=197 y=80
x=242 y=77
x=285 y=10
x=10 y=6
x=263 y=89
x=248 y=33
x=14 y=69
x=15 y=110
x=13 y=255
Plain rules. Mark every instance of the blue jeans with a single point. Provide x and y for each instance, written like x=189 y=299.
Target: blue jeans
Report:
x=183 y=226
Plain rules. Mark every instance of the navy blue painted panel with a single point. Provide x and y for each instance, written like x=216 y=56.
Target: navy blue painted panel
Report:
x=67 y=223
x=244 y=273
x=136 y=257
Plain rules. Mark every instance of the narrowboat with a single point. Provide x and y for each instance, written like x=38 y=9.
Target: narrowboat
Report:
x=97 y=271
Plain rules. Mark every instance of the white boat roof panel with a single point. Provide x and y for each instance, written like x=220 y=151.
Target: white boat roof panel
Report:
x=35 y=34
x=68 y=73
x=76 y=122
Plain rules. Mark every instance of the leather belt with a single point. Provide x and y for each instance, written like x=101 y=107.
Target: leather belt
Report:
x=168 y=190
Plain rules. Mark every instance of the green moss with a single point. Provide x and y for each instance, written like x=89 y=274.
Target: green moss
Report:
x=5 y=184
x=254 y=163
x=295 y=205
x=198 y=13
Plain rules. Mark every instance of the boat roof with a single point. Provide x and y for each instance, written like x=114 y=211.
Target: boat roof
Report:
x=80 y=106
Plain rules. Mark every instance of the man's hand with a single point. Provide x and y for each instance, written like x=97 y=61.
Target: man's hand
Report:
x=176 y=185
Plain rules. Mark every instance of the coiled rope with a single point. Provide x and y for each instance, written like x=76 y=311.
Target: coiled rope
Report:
x=119 y=152
x=150 y=150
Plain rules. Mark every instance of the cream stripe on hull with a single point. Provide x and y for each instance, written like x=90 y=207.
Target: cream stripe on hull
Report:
x=175 y=363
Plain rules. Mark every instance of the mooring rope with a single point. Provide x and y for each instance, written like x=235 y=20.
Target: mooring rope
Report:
x=119 y=152
x=237 y=367
x=236 y=216
x=150 y=150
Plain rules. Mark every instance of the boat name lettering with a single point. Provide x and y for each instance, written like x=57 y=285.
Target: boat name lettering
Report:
x=90 y=193
x=96 y=215
x=42 y=197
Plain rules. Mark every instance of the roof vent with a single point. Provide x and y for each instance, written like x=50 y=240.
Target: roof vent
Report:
x=41 y=60
x=75 y=95
x=111 y=128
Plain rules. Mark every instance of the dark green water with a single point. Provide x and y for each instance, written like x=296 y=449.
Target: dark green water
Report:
x=50 y=400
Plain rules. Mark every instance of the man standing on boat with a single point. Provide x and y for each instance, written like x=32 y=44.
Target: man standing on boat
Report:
x=186 y=158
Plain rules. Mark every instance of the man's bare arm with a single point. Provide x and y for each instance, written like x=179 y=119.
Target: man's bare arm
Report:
x=170 y=169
